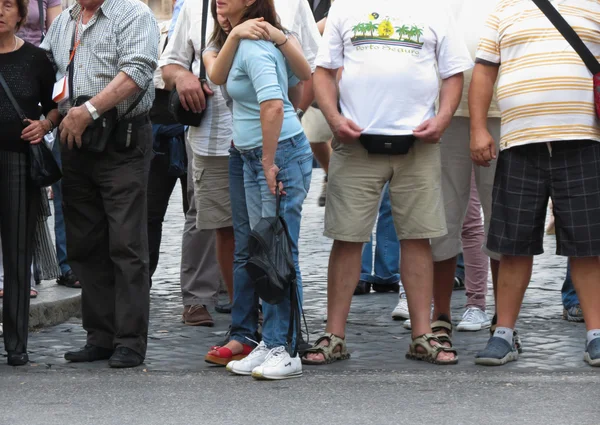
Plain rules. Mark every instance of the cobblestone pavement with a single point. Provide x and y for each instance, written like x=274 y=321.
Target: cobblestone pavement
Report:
x=375 y=340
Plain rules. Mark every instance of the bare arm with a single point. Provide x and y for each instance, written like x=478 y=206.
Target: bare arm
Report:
x=271 y=120
x=308 y=96
x=295 y=94
x=78 y=118
x=481 y=92
x=326 y=93
x=292 y=50
x=51 y=14
x=431 y=131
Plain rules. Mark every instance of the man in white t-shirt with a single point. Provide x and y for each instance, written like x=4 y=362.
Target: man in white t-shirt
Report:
x=390 y=52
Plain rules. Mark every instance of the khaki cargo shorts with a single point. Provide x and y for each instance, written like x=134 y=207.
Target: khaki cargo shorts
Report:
x=211 y=192
x=315 y=126
x=456 y=186
x=356 y=179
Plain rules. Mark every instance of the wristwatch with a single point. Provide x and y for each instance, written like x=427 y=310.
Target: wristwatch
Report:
x=300 y=113
x=92 y=110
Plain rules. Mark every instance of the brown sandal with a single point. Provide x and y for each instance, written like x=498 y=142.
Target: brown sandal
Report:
x=328 y=351
x=432 y=352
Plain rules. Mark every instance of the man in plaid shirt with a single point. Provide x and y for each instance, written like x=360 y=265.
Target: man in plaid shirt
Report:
x=107 y=51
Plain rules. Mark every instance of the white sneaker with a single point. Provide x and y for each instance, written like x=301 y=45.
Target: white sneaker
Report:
x=474 y=319
x=279 y=365
x=246 y=365
x=401 y=310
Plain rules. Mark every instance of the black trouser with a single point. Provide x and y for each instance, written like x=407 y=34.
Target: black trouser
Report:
x=104 y=201
x=19 y=205
x=160 y=188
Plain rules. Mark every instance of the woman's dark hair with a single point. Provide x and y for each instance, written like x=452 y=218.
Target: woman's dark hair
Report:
x=23 y=6
x=259 y=9
x=263 y=9
x=218 y=36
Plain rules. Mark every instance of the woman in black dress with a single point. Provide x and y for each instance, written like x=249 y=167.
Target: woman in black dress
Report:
x=30 y=77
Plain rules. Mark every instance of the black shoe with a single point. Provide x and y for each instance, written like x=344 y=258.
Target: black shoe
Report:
x=223 y=308
x=17 y=359
x=459 y=284
x=362 y=288
x=69 y=280
x=395 y=287
x=125 y=357
x=89 y=353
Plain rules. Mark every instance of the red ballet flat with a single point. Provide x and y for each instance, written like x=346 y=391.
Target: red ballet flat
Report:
x=222 y=355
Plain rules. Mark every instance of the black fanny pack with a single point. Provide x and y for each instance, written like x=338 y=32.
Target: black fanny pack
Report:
x=387 y=145
x=96 y=136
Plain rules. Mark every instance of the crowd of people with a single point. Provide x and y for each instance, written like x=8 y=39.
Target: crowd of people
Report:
x=425 y=117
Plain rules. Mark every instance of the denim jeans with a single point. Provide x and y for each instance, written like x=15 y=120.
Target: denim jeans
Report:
x=387 y=248
x=59 y=220
x=244 y=314
x=294 y=158
x=569 y=296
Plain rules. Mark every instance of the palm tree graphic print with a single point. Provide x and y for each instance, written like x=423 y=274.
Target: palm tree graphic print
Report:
x=383 y=30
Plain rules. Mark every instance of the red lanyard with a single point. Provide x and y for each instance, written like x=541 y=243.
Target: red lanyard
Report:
x=76 y=39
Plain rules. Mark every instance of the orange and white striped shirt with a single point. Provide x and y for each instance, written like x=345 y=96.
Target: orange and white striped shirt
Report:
x=545 y=91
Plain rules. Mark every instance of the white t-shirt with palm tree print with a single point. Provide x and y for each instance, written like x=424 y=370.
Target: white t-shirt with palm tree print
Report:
x=391 y=52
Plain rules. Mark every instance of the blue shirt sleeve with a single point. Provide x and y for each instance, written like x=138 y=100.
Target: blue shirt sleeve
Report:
x=176 y=10
x=261 y=67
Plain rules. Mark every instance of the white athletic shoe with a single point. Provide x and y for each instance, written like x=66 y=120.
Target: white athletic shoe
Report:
x=474 y=319
x=279 y=365
x=401 y=310
x=246 y=365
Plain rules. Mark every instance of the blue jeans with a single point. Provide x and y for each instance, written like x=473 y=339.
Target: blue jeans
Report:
x=569 y=296
x=60 y=235
x=294 y=158
x=387 y=248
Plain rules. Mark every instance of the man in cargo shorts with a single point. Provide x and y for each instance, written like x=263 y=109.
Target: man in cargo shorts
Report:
x=388 y=90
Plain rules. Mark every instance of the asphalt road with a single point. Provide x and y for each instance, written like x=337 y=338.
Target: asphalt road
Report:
x=102 y=397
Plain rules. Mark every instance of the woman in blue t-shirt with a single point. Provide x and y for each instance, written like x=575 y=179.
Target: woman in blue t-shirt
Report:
x=274 y=151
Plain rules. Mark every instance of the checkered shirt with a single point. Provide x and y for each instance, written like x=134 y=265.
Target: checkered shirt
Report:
x=121 y=37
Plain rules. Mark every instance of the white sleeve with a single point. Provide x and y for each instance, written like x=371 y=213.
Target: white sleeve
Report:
x=453 y=56
x=180 y=49
x=307 y=30
x=331 y=51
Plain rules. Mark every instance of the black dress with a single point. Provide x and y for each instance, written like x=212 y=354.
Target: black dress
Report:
x=30 y=77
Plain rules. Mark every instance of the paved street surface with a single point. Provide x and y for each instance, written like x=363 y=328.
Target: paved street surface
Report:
x=550 y=384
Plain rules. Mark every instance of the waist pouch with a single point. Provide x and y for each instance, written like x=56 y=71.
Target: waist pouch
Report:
x=126 y=136
x=387 y=145
x=96 y=135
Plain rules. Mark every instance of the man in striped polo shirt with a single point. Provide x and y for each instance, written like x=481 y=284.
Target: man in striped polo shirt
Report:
x=548 y=148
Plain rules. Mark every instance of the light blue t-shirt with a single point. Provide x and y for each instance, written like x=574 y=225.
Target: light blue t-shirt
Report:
x=259 y=73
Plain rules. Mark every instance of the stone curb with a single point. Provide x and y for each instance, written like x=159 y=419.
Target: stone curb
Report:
x=55 y=304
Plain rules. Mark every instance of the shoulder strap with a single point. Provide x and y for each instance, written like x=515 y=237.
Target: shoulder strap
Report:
x=569 y=34
x=42 y=19
x=12 y=99
x=205 y=6
x=136 y=102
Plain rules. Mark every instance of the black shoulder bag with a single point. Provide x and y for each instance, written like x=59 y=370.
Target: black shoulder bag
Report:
x=43 y=169
x=181 y=115
x=576 y=43
x=271 y=268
